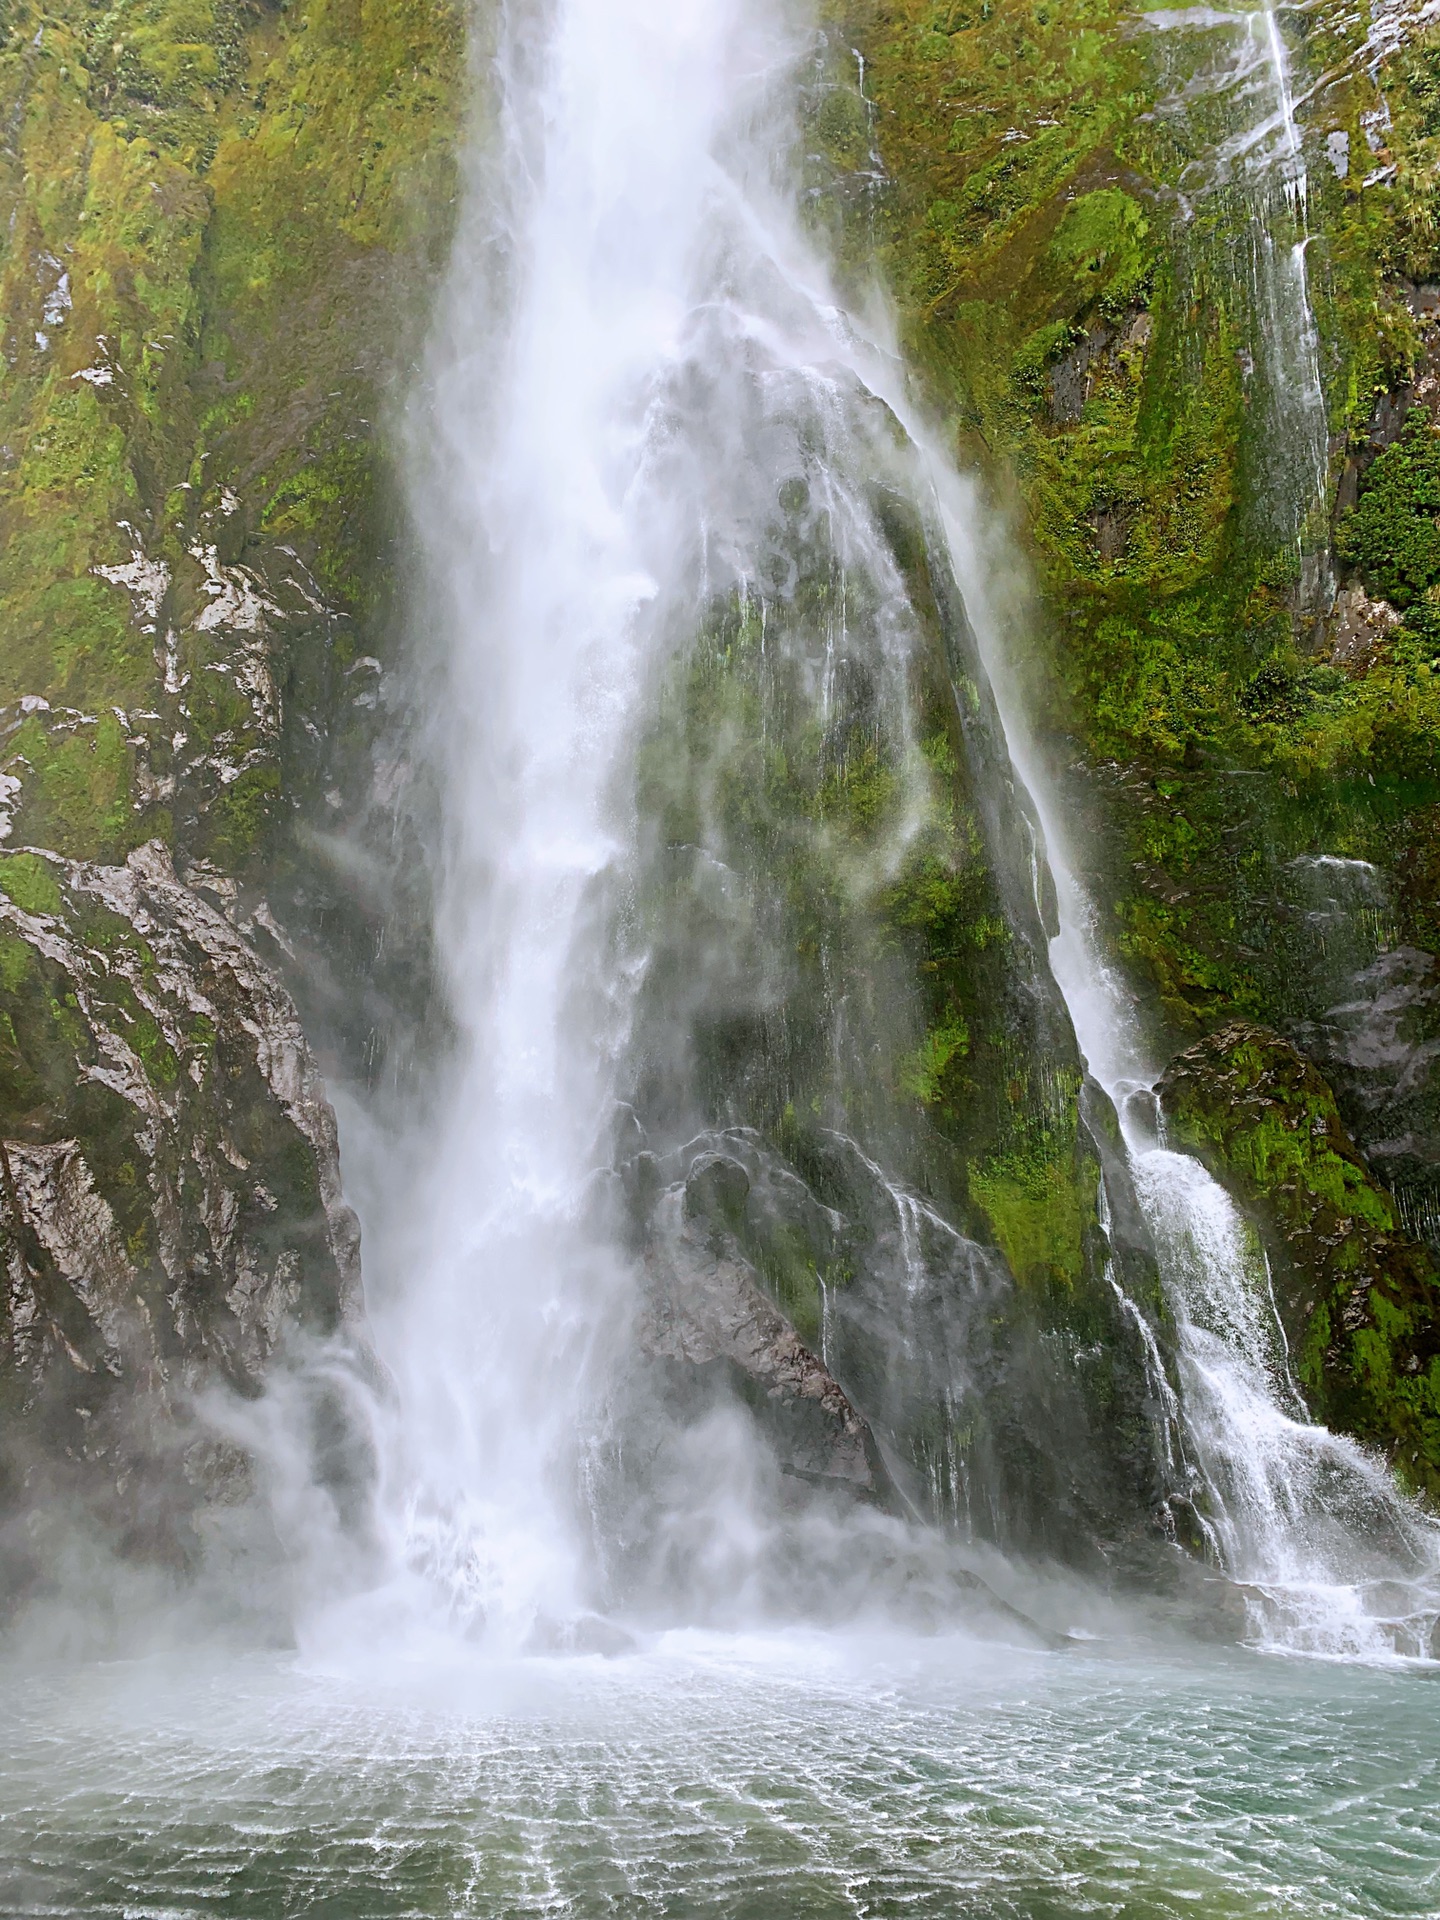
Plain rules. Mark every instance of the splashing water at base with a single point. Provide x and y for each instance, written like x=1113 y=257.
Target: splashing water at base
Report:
x=779 y=1778
x=1333 y=1560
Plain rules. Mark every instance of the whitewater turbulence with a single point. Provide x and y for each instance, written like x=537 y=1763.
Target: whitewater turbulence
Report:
x=568 y=319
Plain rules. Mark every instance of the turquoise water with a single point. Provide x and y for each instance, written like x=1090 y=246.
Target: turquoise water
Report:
x=758 y=1778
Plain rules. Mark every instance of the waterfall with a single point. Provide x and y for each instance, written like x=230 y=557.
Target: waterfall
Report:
x=579 y=270
x=653 y=449
x=1332 y=1558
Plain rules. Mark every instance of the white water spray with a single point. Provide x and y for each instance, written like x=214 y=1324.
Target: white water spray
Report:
x=569 y=320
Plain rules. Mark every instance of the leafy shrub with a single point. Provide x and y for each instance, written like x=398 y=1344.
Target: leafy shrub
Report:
x=1392 y=539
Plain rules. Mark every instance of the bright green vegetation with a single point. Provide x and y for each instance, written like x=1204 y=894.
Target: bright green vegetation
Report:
x=1087 y=351
x=213 y=209
x=218 y=220
x=1392 y=539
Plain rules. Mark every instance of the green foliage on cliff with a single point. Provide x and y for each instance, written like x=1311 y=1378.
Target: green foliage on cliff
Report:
x=1392 y=539
x=209 y=213
x=1072 y=286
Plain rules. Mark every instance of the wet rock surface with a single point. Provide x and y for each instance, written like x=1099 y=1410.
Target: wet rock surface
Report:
x=895 y=1358
x=706 y=1305
x=170 y=1205
x=1379 y=1047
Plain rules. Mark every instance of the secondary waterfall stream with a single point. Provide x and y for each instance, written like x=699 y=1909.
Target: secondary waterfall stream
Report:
x=1246 y=191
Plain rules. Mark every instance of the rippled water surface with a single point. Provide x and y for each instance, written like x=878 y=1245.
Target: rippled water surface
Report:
x=761 y=1777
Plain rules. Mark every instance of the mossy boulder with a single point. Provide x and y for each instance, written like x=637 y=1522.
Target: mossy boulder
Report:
x=1359 y=1299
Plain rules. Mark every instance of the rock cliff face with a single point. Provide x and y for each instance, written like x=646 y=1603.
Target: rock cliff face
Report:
x=220 y=220
x=170 y=1208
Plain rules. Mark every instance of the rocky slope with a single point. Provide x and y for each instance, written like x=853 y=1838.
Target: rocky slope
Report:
x=172 y=1215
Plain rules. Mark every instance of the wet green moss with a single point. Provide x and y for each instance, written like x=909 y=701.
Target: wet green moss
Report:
x=1039 y=1197
x=30 y=882
x=1392 y=539
x=219 y=217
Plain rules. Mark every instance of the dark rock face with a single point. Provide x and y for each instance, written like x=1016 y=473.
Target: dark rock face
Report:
x=890 y=1357
x=169 y=1190
x=706 y=1305
x=1360 y=1299
x=1380 y=1049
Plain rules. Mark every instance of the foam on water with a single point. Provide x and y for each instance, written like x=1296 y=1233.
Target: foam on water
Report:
x=766 y=1777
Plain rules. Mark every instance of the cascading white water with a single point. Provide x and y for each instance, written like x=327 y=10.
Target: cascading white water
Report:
x=638 y=356
x=1334 y=1560
x=551 y=546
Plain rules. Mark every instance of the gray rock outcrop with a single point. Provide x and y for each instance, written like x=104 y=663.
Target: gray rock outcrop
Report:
x=170 y=1204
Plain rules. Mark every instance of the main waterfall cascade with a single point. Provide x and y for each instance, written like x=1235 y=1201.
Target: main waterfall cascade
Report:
x=723 y=699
